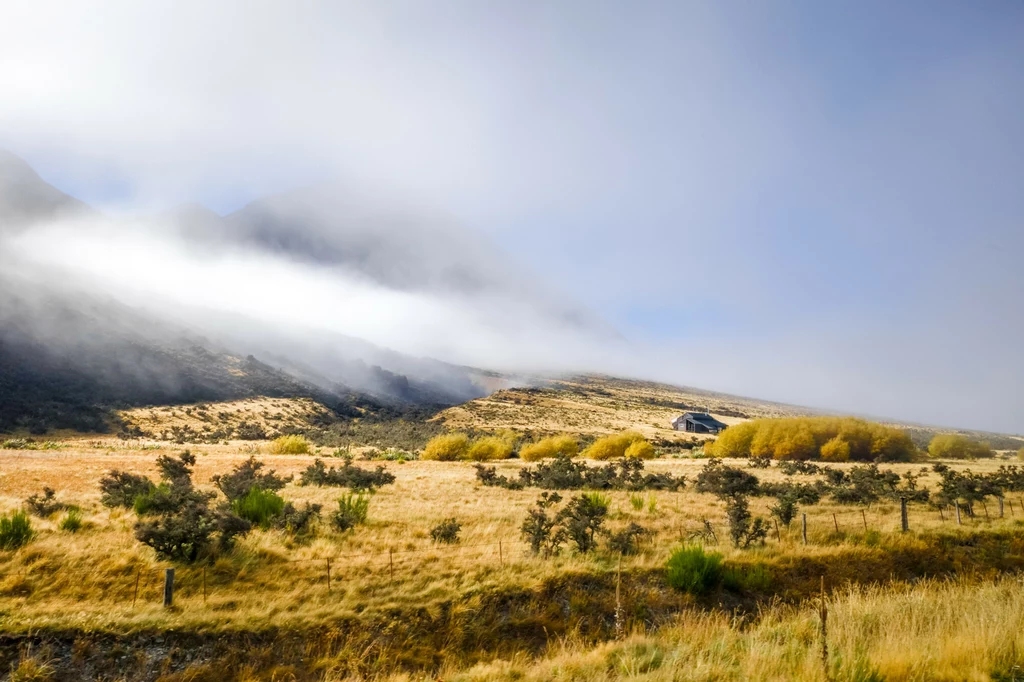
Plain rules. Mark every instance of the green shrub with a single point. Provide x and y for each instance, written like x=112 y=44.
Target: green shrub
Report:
x=446 y=532
x=289 y=445
x=581 y=519
x=258 y=506
x=298 y=522
x=46 y=504
x=447 y=447
x=72 y=521
x=247 y=476
x=627 y=540
x=690 y=570
x=352 y=510
x=120 y=488
x=15 y=530
x=539 y=527
x=348 y=476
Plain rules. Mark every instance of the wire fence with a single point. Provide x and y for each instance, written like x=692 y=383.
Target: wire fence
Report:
x=333 y=571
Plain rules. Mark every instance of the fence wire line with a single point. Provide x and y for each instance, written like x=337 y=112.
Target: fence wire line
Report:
x=395 y=553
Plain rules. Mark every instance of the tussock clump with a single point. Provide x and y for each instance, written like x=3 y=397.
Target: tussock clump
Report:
x=348 y=476
x=15 y=531
x=258 y=507
x=72 y=521
x=352 y=510
x=690 y=570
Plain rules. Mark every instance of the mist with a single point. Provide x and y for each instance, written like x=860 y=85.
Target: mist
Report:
x=805 y=204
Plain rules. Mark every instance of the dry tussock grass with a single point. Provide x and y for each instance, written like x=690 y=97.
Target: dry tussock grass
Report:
x=86 y=580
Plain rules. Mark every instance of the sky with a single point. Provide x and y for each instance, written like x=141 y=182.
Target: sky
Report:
x=817 y=203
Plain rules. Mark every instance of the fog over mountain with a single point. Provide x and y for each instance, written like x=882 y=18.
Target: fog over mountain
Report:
x=311 y=292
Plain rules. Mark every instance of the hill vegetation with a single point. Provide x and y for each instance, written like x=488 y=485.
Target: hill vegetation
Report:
x=834 y=439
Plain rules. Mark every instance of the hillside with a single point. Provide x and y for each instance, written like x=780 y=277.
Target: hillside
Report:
x=600 y=405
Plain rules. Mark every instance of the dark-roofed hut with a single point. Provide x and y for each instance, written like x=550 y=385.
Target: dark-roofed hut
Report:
x=698 y=422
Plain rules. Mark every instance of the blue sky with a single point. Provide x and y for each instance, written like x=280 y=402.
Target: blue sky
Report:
x=820 y=201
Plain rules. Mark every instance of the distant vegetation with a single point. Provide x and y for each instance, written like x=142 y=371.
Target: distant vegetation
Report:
x=546 y=448
x=289 y=445
x=618 y=445
x=953 y=446
x=835 y=439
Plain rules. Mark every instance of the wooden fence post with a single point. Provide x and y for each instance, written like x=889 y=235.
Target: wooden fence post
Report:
x=864 y=518
x=328 y=574
x=204 y=584
x=168 y=587
x=824 y=629
x=1000 y=507
x=777 y=533
x=618 y=601
x=804 y=524
x=138 y=574
x=959 y=521
x=942 y=517
x=391 y=564
x=1011 y=507
x=985 y=507
x=501 y=557
x=834 y=521
x=904 y=521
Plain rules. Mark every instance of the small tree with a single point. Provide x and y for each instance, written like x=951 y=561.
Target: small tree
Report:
x=582 y=518
x=743 y=529
x=446 y=532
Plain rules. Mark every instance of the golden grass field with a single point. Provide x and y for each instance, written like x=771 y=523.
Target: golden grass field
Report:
x=400 y=607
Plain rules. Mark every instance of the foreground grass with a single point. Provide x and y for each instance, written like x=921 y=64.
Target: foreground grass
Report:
x=931 y=631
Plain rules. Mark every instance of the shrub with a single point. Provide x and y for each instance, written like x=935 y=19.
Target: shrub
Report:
x=447 y=447
x=447 y=531
x=725 y=481
x=566 y=474
x=582 y=518
x=690 y=570
x=298 y=522
x=46 y=504
x=627 y=540
x=491 y=447
x=250 y=431
x=785 y=510
x=743 y=529
x=953 y=446
x=289 y=445
x=835 y=450
x=637 y=502
x=184 y=527
x=120 y=488
x=72 y=521
x=15 y=530
x=539 y=527
x=549 y=447
x=805 y=438
x=258 y=506
x=613 y=446
x=352 y=510
x=348 y=476
x=247 y=476
x=640 y=449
